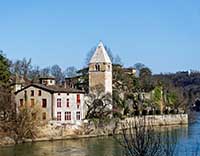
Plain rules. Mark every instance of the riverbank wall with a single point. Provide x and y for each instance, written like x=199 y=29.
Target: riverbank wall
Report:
x=159 y=120
x=52 y=132
x=115 y=126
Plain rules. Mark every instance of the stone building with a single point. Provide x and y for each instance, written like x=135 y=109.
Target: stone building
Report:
x=100 y=70
x=63 y=105
x=76 y=82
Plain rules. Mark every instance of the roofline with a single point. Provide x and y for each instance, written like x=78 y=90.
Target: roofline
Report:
x=16 y=83
x=73 y=77
x=104 y=53
x=99 y=62
x=47 y=78
x=33 y=86
x=48 y=90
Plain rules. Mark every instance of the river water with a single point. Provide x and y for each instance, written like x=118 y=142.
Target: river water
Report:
x=188 y=141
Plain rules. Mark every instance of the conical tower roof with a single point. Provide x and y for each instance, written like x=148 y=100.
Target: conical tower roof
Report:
x=100 y=55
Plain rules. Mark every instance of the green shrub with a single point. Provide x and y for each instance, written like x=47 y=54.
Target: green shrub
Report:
x=137 y=113
x=151 y=112
x=166 y=111
x=158 y=112
x=144 y=112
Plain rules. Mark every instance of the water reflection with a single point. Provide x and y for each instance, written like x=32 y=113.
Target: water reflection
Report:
x=190 y=144
x=103 y=146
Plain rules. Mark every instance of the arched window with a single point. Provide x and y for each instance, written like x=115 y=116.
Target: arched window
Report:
x=97 y=67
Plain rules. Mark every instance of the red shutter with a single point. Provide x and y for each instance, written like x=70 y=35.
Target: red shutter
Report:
x=78 y=101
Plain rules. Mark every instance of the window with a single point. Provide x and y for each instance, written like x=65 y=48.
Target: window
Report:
x=32 y=102
x=97 y=67
x=67 y=115
x=78 y=115
x=67 y=94
x=32 y=92
x=58 y=116
x=78 y=99
x=39 y=93
x=58 y=102
x=67 y=103
x=44 y=103
x=108 y=67
x=58 y=93
x=45 y=82
x=44 y=117
x=21 y=102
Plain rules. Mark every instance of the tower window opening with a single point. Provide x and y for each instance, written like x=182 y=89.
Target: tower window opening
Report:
x=97 y=67
x=108 y=67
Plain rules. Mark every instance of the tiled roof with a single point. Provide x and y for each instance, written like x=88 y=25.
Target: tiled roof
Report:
x=47 y=77
x=100 y=55
x=52 y=89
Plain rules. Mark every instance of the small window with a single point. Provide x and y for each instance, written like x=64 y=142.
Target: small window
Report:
x=67 y=115
x=32 y=102
x=58 y=102
x=44 y=117
x=97 y=67
x=44 y=103
x=44 y=82
x=78 y=115
x=78 y=99
x=67 y=94
x=25 y=95
x=108 y=67
x=21 y=102
x=67 y=103
x=32 y=92
x=58 y=116
x=58 y=93
x=39 y=93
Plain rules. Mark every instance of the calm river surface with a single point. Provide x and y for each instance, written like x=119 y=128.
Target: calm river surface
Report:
x=188 y=138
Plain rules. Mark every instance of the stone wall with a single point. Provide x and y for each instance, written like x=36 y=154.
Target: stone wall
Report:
x=159 y=120
x=52 y=132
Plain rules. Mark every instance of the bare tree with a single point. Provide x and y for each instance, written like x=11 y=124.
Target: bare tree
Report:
x=117 y=60
x=139 y=66
x=45 y=72
x=99 y=104
x=71 y=71
x=27 y=120
x=139 y=138
x=34 y=74
x=56 y=71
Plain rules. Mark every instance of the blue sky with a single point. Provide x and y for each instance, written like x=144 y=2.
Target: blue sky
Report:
x=164 y=35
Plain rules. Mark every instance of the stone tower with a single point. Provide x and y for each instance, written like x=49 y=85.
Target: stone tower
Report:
x=100 y=69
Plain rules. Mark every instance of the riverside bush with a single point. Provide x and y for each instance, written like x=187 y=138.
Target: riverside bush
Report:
x=158 y=112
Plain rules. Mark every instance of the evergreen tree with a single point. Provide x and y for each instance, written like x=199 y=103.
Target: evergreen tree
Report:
x=4 y=70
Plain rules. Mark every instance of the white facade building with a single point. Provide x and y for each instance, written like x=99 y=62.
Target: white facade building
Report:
x=63 y=105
